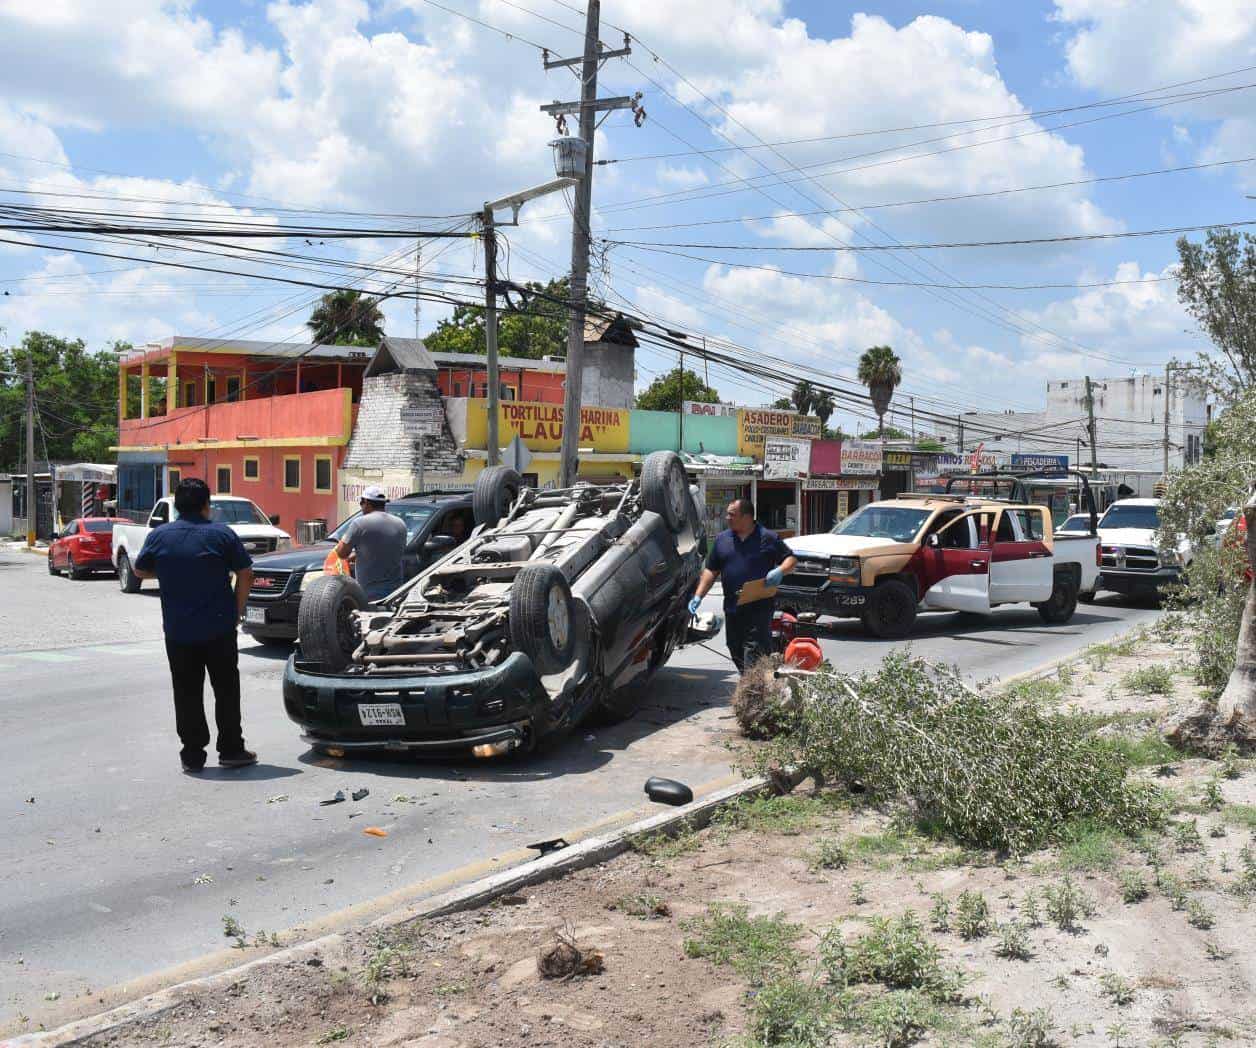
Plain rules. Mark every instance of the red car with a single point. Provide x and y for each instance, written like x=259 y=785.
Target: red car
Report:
x=83 y=547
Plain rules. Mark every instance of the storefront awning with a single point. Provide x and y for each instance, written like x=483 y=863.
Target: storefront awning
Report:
x=91 y=472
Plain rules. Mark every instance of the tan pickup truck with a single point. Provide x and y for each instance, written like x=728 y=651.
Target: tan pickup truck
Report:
x=922 y=552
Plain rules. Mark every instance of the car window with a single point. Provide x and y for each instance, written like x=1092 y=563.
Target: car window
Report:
x=1078 y=523
x=1119 y=516
x=958 y=534
x=415 y=516
x=236 y=511
x=161 y=512
x=97 y=527
x=899 y=523
x=1025 y=525
x=71 y=528
x=1005 y=531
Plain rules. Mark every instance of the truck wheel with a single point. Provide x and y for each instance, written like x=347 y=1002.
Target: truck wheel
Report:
x=1062 y=603
x=128 y=581
x=891 y=610
x=542 y=617
x=496 y=489
x=665 y=488
x=325 y=629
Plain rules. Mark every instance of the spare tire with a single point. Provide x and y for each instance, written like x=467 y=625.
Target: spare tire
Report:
x=665 y=488
x=325 y=629
x=542 y=617
x=496 y=489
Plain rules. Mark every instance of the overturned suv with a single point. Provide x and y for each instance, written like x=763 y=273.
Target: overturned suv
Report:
x=561 y=606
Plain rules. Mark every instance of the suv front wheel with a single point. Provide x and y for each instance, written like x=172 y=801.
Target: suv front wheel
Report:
x=891 y=610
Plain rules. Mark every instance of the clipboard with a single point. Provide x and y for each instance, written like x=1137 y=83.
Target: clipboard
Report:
x=755 y=590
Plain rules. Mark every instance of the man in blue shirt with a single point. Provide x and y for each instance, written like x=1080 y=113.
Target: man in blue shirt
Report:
x=745 y=552
x=192 y=557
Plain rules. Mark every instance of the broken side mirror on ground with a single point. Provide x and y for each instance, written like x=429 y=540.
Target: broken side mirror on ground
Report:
x=704 y=626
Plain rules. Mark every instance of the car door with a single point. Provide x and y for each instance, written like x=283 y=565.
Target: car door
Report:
x=1020 y=561
x=61 y=545
x=958 y=564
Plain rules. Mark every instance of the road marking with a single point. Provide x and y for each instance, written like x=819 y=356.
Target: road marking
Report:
x=46 y=656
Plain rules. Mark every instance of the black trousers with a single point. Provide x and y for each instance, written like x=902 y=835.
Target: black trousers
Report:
x=188 y=666
x=748 y=630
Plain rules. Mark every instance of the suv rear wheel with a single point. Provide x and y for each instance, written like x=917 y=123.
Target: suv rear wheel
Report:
x=891 y=610
x=325 y=629
x=542 y=618
x=665 y=488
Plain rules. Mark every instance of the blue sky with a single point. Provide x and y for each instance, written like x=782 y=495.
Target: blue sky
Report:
x=398 y=105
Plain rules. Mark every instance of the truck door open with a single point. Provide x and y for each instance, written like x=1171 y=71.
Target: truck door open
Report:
x=957 y=562
x=1020 y=562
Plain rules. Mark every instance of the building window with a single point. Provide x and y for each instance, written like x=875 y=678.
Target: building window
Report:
x=252 y=468
x=223 y=478
x=233 y=388
x=457 y=389
x=509 y=392
x=211 y=390
x=189 y=394
x=173 y=477
x=322 y=474
x=292 y=473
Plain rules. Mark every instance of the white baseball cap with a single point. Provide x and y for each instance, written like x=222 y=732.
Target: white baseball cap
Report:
x=374 y=493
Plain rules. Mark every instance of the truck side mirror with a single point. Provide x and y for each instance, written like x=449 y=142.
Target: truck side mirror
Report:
x=274 y=519
x=933 y=541
x=440 y=543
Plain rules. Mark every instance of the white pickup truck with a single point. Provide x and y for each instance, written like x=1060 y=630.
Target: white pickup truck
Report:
x=1133 y=561
x=257 y=531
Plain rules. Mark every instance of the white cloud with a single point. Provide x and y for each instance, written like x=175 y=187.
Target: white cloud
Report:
x=1118 y=47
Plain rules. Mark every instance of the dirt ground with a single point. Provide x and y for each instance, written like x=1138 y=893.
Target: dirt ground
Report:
x=1177 y=967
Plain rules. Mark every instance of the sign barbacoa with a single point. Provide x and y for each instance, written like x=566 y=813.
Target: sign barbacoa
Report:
x=861 y=457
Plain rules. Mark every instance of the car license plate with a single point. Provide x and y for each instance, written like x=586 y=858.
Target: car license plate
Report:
x=255 y=615
x=375 y=714
x=852 y=600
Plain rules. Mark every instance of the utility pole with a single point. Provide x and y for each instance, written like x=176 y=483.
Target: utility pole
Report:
x=1168 y=395
x=959 y=433
x=418 y=263
x=1090 y=427
x=588 y=108
x=31 y=512
x=680 y=405
x=490 y=331
x=913 y=421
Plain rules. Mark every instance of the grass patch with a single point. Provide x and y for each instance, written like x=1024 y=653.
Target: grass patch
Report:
x=1046 y=691
x=895 y=953
x=1119 y=991
x=789 y=815
x=1133 y=887
x=1148 y=750
x=759 y=949
x=792 y=1012
x=661 y=847
x=1013 y=942
x=972 y=915
x=898 y=1018
x=1030 y=1029
x=1240 y=815
x=1089 y=845
x=828 y=854
x=1149 y=680
x=645 y=905
x=1066 y=904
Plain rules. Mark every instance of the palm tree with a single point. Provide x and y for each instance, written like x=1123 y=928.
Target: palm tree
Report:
x=822 y=406
x=347 y=318
x=881 y=371
x=803 y=397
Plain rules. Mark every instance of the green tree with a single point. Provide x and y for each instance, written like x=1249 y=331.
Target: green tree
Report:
x=1216 y=607
x=77 y=395
x=888 y=432
x=535 y=328
x=802 y=397
x=929 y=444
x=667 y=391
x=1217 y=285
x=783 y=404
x=822 y=406
x=881 y=371
x=347 y=318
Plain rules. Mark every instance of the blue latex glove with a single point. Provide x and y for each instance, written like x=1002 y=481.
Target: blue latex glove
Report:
x=694 y=605
x=774 y=577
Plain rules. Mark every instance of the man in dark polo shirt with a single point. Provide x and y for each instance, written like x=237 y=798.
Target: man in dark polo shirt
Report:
x=193 y=557
x=745 y=552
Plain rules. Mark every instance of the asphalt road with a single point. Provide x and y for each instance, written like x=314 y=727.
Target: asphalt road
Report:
x=116 y=866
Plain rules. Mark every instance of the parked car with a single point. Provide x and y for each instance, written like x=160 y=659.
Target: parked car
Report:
x=279 y=579
x=923 y=552
x=82 y=547
x=257 y=531
x=563 y=604
x=1129 y=544
x=1077 y=524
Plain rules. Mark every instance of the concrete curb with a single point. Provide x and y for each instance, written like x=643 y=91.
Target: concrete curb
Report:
x=1048 y=668
x=470 y=896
